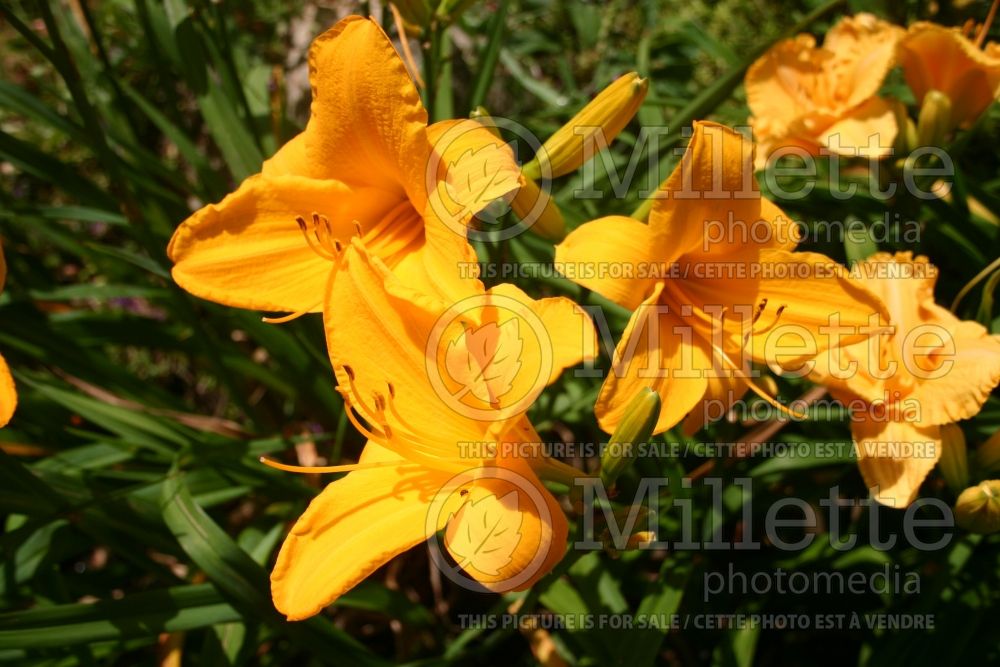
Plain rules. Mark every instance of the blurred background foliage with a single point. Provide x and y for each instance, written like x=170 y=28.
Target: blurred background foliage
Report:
x=139 y=526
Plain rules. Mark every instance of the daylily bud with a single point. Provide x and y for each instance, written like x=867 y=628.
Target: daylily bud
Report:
x=581 y=138
x=988 y=453
x=635 y=427
x=534 y=205
x=978 y=507
x=954 y=462
x=934 y=121
x=531 y=203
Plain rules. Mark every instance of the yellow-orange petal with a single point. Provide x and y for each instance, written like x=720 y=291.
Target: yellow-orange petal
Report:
x=378 y=332
x=567 y=330
x=510 y=532
x=248 y=251
x=8 y=394
x=356 y=525
x=445 y=266
x=613 y=256
x=777 y=85
x=712 y=188
x=723 y=392
x=934 y=57
x=867 y=130
x=864 y=49
x=674 y=362
x=811 y=289
x=959 y=382
x=895 y=457
x=367 y=124
x=291 y=160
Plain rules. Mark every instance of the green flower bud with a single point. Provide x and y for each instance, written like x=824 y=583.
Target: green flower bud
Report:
x=577 y=141
x=635 y=427
x=988 y=453
x=536 y=207
x=934 y=121
x=978 y=507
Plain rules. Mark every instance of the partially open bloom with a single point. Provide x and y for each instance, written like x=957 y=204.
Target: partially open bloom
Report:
x=710 y=276
x=8 y=396
x=931 y=369
x=811 y=98
x=456 y=454
x=937 y=58
x=367 y=164
x=593 y=128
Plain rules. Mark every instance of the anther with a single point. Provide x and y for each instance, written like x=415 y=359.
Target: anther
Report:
x=313 y=240
x=759 y=311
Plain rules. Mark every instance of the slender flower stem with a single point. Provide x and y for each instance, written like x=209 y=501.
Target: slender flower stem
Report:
x=981 y=37
x=995 y=264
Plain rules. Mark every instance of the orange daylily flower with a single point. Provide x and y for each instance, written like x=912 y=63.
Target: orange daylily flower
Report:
x=367 y=164
x=803 y=96
x=934 y=57
x=8 y=395
x=700 y=298
x=502 y=527
x=931 y=370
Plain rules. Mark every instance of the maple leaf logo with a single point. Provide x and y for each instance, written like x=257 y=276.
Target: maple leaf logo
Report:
x=480 y=176
x=483 y=534
x=485 y=360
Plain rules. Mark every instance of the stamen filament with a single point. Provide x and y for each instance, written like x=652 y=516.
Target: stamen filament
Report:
x=324 y=234
x=385 y=438
x=404 y=42
x=291 y=316
x=981 y=37
x=995 y=264
x=369 y=433
x=777 y=318
x=756 y=389
x=314 y=245
x=397 y=416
